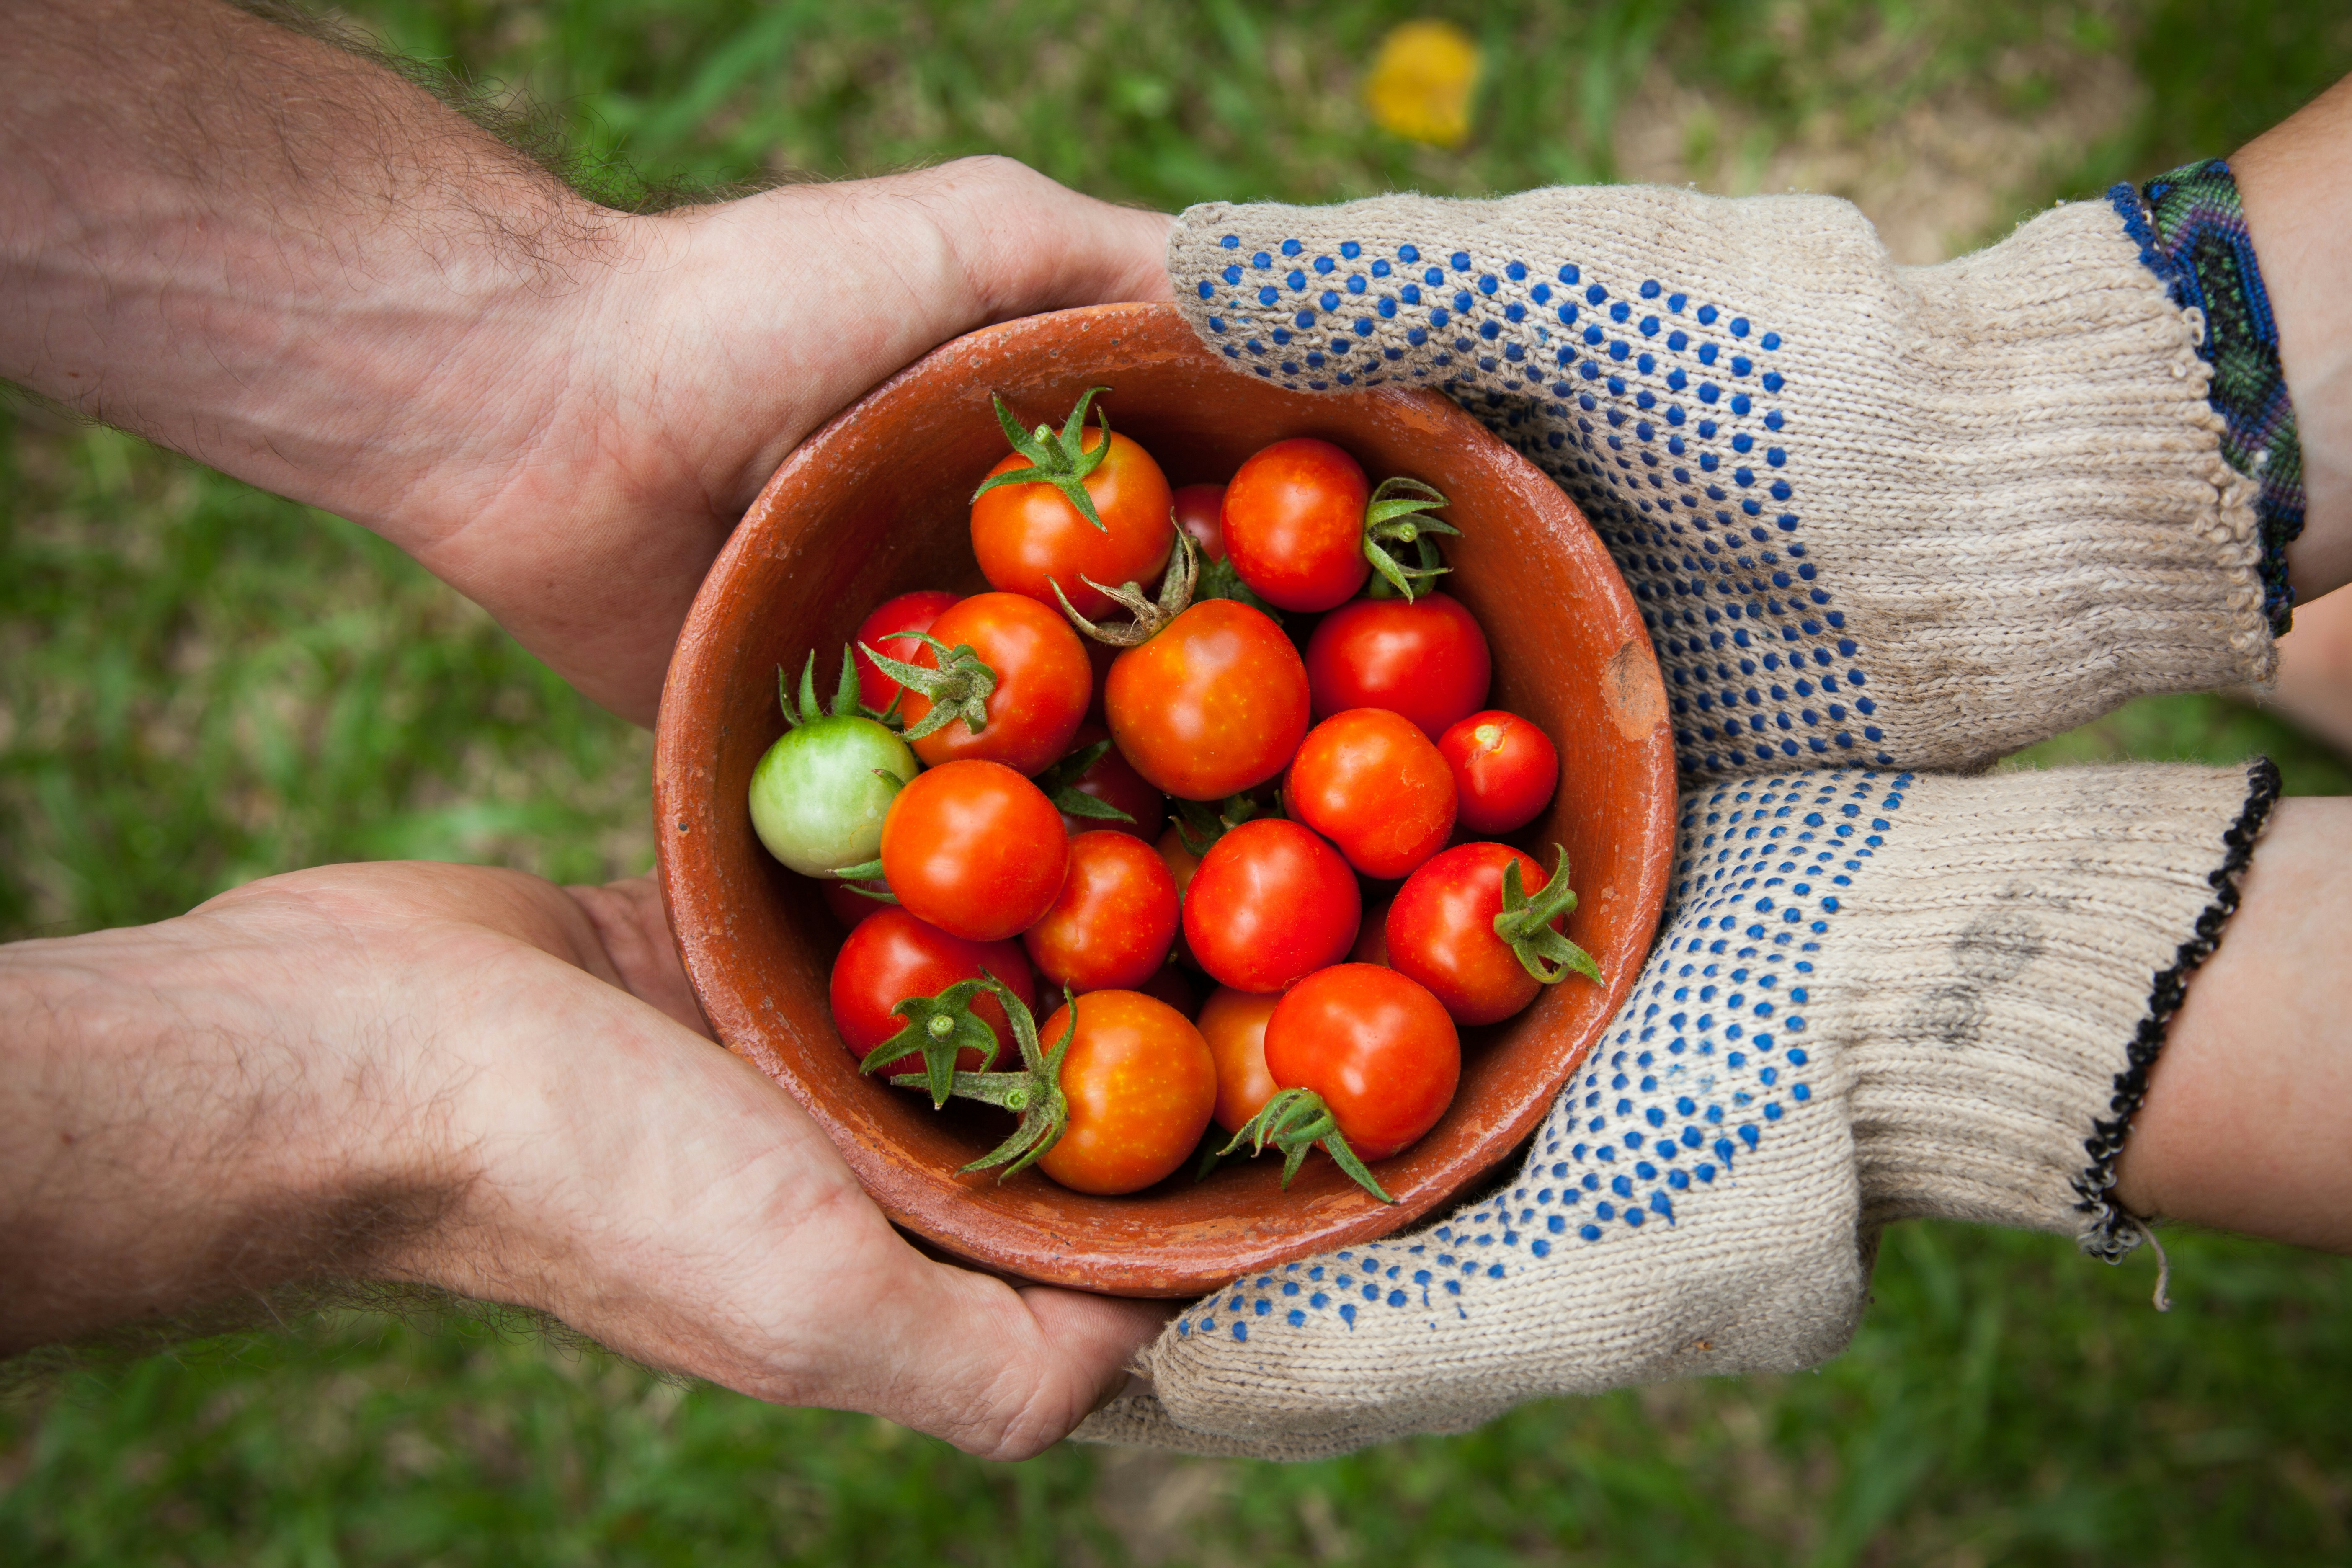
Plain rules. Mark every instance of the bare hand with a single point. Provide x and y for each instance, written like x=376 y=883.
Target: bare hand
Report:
x=475 y=1079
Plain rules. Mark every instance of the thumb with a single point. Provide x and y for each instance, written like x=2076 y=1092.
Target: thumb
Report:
x=1025 y=244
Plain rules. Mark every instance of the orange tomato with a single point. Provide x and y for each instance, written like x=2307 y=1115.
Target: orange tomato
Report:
x=1233 y=1022
x=1029 y=537
x=1141 y=1086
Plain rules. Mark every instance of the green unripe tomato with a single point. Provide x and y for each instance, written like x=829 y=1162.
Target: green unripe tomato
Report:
x=816 y=802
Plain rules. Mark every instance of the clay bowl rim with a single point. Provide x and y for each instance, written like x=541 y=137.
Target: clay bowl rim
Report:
x=1321 y=1212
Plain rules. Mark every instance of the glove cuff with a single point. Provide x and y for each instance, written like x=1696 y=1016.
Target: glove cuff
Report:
x=2001 y=1013
x=1909 y=517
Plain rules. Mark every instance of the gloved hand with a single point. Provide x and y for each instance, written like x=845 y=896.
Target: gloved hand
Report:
x=1877 y=996
x=1908 y=517
x=1875 y=515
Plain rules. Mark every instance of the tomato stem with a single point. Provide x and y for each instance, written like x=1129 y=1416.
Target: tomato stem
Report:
x=1199 y=826
x=1060 y=783
x=1293 y=1121
x=845 y=698
x=1062 y=461
x=1394 y=518
x=958 y=688
x=1219 y=579
x=938 y=1029
x=1034 y=1092
x=1150 y=619
x=1526 y=924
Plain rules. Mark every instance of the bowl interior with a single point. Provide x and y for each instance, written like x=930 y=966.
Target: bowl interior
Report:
x=878 y=504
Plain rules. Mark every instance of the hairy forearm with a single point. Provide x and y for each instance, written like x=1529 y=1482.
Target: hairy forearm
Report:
x=267 y=252
x=171 y=1139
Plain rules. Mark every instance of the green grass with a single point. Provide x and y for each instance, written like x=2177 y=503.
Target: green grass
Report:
x=199 y=684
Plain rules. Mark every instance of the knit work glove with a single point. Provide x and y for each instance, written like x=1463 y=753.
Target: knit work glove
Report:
x=1902 y=516
x=1877 y=996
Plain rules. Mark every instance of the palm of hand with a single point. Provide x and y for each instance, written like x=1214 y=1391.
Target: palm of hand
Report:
x=604 y=1163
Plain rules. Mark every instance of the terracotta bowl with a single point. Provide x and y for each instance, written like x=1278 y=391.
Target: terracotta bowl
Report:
x=877 y=504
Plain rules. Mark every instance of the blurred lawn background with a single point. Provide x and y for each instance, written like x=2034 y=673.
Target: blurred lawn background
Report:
x=200 y=684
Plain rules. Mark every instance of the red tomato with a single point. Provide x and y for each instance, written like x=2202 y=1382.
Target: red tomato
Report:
x=1376 y=1045
x=1215 y=703
x=1270 y=903
x=852 y=910
x=1140 y=1085
x=1111 y=928
x=1042 y=683
x=1505 y=770
x=1441 y=931
x=1372 y=941
x=1199 y=509
x=1370 y=782
x=892 y=956
x=1029 y=537
x=974 y=848
x=1114 y=781
x=912 y=612
x=1427 y=660
x=1294 y=521
x=1233 y=1022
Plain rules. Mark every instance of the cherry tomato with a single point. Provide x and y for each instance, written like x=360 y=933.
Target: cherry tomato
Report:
x=1505 y=770
x=1112 y=779
x=1029 y=537
x=1111 y=928
x=853 y=909
x=885 y=632
x=1427 y=660
x=1233 y=1022
x=1042 y=683
x=1215 y=703
x=1270 y=903
x=1441 y=931
x=1372 y=941
x=1370 y=782
x=892 y=956
x=974 y=848
x=1140 y=1085
x=1199 y=509
x=1375 y=1044
x=1294 y=524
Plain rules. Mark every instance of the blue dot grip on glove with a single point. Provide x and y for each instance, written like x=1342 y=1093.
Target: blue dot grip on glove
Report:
x=1877 y=995
x=1872 y=515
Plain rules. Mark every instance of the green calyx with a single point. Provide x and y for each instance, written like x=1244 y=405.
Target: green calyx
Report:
x=802 y=708
x=959 y=688
x=1526 y=924
x=1034 y=1093
x=1200 y=822
x=1060 y=783
x=1151 y=618
x=1293 y=1121
x=1397 y=524
x=938 y=1029
x=1060 y=461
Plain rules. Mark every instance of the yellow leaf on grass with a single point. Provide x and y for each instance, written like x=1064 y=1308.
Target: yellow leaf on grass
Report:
x=1421 y=82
